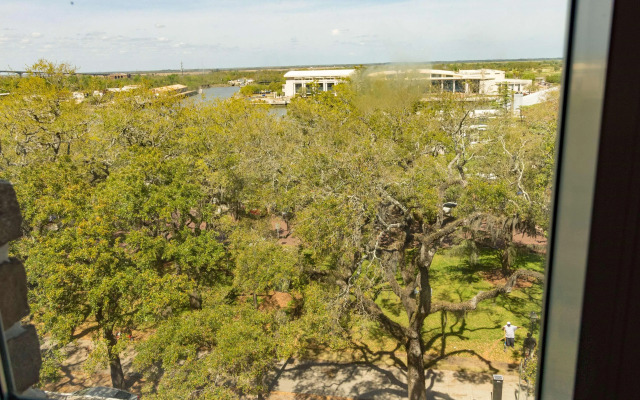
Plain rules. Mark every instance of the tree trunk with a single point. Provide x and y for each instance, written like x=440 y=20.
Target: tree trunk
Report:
x=507 y=253
x=443 y=326
x=415 y=368
x=505 y=260
x=117 y=375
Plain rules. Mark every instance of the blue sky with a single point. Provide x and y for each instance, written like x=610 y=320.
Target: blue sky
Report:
x=100 y=35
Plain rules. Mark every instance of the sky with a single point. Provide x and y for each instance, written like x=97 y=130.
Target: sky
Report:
x=117 y=35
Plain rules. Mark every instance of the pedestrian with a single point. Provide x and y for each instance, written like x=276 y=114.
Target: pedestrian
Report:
x=529 y=345
x=509 y=335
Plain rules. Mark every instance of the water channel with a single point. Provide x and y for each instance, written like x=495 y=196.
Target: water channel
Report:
x=225 y=92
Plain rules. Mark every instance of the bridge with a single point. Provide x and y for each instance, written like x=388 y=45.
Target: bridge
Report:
x=12 y=72
x=21 y=73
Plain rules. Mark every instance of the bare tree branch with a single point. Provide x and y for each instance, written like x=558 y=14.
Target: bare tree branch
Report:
x=396 y=330
x=392 y=200
x=448 y=229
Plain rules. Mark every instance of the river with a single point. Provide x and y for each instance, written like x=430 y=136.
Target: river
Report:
x=225 y=92
x=214 y=93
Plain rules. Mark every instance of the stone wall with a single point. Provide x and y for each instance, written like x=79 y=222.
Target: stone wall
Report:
x=22 y=339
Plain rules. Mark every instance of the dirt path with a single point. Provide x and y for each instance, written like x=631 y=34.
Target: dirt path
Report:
x=76 y=377
x=340 y=381
x=323 y=378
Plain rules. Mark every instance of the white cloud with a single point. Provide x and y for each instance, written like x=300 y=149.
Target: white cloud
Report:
x=371 y=32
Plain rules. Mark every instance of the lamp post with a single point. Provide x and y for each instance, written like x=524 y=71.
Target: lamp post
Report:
x=533 y=317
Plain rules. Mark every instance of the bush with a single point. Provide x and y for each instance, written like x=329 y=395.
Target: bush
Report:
x=528 y=75
x=553 y=78
x=248 y=90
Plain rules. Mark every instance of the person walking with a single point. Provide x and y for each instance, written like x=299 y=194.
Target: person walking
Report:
x=529 y=345
x=509 y=335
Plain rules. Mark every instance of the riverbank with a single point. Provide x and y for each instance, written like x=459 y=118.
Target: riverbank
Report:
x=214 y=85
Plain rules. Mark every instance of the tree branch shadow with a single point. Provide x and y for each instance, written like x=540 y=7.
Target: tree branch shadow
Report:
x=359 y=379
x=433 y=361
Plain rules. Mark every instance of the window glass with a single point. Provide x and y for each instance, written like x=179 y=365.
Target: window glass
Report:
x=228 y=199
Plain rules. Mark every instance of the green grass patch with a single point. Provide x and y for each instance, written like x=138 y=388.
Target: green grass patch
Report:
x=473 y=334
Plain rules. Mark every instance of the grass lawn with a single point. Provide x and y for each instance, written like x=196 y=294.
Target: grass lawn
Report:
x=474 y=334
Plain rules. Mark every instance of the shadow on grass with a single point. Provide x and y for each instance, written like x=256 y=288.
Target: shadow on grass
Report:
x=458 y=333
x=432 y=362
x=370 y=356
x=391 y=305
x=521 y=307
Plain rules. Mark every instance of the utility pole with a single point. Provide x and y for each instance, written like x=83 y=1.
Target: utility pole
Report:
x=181 y=68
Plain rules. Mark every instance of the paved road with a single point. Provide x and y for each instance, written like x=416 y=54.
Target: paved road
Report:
x=369 y=381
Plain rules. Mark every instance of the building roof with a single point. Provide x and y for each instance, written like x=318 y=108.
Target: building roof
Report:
x=124 y=88
x=522 y=81
x=326 y=73
x=422 y=73
x=439 y=72
x=170 y=88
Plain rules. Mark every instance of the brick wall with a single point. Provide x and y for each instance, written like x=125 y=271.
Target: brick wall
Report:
x=22 y=339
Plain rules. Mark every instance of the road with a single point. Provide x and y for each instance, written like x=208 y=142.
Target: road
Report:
x=369 y=381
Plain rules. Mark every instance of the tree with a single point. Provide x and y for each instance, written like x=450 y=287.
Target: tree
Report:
x=262 y=264
x=118 y=231
x=157 y=215
x=520 y=151
x=371 y=183
x=39 y=122
x=221 y=350
x=118 y=255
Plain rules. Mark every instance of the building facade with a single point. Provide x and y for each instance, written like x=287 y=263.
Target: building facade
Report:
x=306 y=82
x=480 y=81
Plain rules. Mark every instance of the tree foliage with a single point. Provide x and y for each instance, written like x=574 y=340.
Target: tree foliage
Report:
x=144 y=214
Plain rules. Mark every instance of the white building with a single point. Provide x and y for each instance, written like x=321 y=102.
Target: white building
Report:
x=533 y=98
x=303 y=82
x=123 y=89
x=482 y=81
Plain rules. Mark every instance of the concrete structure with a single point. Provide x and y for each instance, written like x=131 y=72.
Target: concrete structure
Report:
x=489 y=81
x=171 y=89
x=533 y=98
x=241 y=82
x=303 y=82
x=480 y=81
x=120 y=75
x=21 y=338
x=122 y=89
